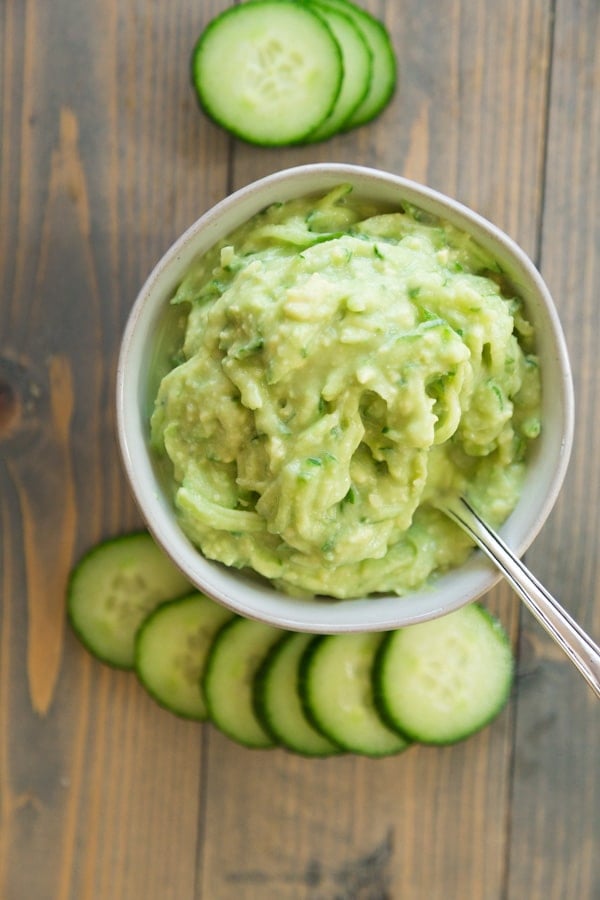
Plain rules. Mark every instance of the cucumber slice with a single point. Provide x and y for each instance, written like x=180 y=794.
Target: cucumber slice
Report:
x=336 y=690
x=233 y=660
x=269 y=71
x=384 y=70
x=277 y=701
x=171 y=647
x=357 y=61
x=113 y=588
x=441 y=681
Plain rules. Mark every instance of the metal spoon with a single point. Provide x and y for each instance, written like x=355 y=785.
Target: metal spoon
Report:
x=579 y=647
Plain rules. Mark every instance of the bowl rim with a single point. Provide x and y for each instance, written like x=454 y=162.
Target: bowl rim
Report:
x=255 y=599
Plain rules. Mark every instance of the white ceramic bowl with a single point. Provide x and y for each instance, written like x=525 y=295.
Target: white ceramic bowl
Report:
x=145 y=348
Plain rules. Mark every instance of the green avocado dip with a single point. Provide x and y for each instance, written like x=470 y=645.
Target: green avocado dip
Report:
x=343 y=366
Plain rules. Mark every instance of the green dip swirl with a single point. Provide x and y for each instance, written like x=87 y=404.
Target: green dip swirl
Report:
x=344 y=366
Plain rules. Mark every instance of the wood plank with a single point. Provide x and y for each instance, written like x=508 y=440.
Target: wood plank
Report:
x=107 y=162
x=555 y=807
x=429 y=823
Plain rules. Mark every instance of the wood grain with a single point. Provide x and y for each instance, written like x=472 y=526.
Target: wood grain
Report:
x=558 y=724
x=104 y=160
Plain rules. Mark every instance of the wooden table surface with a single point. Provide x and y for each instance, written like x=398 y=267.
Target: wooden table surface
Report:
x=104 y=160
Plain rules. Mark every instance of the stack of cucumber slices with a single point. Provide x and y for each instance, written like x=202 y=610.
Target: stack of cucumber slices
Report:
x=372 y=693
x=277 y=72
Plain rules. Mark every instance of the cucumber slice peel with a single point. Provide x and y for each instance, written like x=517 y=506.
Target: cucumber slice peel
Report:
x=336 y=689
x=357 y=62
x=278 y=704
x=233 y=660
x=441 y=681
x=384 y=72
x=269 y=71
x=113 y=588
x=171 y=649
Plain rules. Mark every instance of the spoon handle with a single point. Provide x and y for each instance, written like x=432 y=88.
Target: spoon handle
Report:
x=579 y=647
